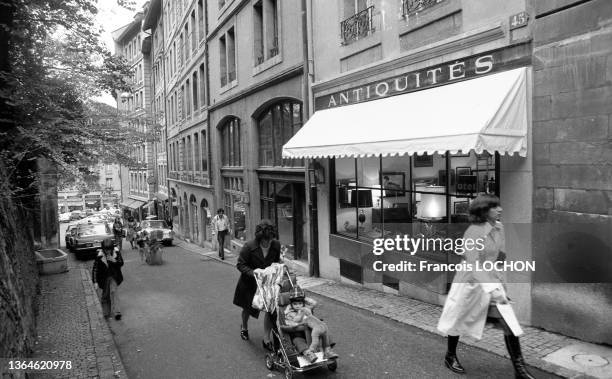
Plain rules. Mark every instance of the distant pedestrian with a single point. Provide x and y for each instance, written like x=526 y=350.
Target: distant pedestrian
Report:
x=131 y=231
x=221 y=227
x=107 y=274
x=473 y=294
x=258 y=253
x=118 y=232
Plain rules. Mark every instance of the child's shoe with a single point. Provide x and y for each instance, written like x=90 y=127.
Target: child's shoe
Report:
x=310 y=356
x=329 y=353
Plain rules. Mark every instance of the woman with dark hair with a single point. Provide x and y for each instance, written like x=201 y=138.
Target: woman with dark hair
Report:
x=473 y=294
x=255 y=254
x=118 y=233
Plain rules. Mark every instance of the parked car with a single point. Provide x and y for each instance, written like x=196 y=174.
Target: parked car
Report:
x=70 y=233
x=89 y=212
x=88 y=238
x=76 y=215
x=159 y=225
x=64 y=217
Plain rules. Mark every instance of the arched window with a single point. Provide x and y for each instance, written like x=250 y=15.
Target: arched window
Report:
x=230 y=137
x=276 y=126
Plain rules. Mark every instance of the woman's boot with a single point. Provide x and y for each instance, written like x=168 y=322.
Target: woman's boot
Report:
x=514 y=349
x=451 y=360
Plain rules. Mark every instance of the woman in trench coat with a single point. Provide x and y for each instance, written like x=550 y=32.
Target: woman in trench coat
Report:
x=473 y=292
x=256 y=254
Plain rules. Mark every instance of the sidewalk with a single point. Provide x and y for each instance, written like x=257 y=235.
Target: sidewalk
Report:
x=71 y=327
x=555 y=353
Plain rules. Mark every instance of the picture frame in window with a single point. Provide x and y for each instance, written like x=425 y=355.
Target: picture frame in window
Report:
x=483 y=177
x=424 y=160
x=463 y=171
x=461 y=207
x=393 y=184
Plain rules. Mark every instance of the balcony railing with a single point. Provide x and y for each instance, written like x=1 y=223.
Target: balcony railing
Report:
x=414 y=6
x=274 y=49
x=358 y=26
x=223 y=80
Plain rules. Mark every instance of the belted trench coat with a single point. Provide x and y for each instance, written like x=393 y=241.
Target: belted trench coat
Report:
x=467 y=303
x=251 y=258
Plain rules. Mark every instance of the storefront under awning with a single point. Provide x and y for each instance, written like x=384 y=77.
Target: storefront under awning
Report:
x=483 y=114
x=133 y=204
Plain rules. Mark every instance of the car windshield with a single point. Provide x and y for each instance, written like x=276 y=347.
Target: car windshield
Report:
x=155 y=224
x=94 y=229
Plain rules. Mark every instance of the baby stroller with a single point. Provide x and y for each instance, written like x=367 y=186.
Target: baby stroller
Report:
x=285 y=355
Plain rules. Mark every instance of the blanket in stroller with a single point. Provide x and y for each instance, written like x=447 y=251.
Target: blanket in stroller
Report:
x=268 y=281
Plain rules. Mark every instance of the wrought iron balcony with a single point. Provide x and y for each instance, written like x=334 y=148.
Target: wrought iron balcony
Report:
x=358 y=26
x=414 y=6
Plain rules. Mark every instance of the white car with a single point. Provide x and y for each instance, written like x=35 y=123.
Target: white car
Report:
x=150 y=226
x=64 y=217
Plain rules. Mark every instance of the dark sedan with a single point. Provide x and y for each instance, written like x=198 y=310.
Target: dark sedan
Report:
x=88 y=238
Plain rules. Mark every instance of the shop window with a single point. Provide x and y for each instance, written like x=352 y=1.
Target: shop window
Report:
x=235 y=206
x=382 y=197
x=230 y=137
x=276 y=126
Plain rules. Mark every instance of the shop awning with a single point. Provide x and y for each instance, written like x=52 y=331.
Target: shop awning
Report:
x=135 y=204
x=488 y=113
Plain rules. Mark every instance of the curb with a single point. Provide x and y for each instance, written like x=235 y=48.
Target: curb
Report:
x=533 y=362
x=108 y=360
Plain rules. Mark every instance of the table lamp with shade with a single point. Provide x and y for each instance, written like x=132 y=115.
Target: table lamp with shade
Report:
x=361 y=198
x=432 y=206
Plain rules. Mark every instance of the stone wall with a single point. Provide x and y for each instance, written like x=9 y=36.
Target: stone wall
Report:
x=572 y=135
x=19 y=284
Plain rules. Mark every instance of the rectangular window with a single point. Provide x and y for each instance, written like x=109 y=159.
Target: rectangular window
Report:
x=186 y=42
x=188 y=158
x=194 y=90
x=201 y=31
x=231 y=56
x=223 y=61
x=202 y=76
x=182 y=106
x=181 y=49
x=194 y=34
x=187 y=97
x=204 y=155
x=258 y=32
x=196 y=152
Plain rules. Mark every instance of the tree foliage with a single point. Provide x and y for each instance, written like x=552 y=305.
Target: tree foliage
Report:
x=54 y=63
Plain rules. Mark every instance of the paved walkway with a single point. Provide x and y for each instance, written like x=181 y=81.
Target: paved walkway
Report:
x=548 y=351
x=71 y=327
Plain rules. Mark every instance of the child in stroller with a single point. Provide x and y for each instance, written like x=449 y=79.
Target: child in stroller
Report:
x=299 y=312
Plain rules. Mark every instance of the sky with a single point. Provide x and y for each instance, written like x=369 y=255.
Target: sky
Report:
x=111 y=17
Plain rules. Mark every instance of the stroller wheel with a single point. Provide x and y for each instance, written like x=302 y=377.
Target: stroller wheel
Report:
x=332 y=366
x=288 y=373
x=269 y=361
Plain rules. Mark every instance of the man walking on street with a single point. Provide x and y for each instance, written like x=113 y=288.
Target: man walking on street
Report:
x=221 y=226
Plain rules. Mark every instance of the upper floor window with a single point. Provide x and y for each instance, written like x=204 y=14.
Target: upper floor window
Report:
x=276 y=126
x=194 y=36
x=265 y=33
x=227 y=54
x=358 y=20
x=230 y=138
x=201 y=19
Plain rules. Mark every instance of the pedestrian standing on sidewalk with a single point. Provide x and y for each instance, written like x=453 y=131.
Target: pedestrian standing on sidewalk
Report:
x=107 y=274
x=118 y=232
x=473 y=294
x=221 y=227
x=258 y=253
x=131 y=231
